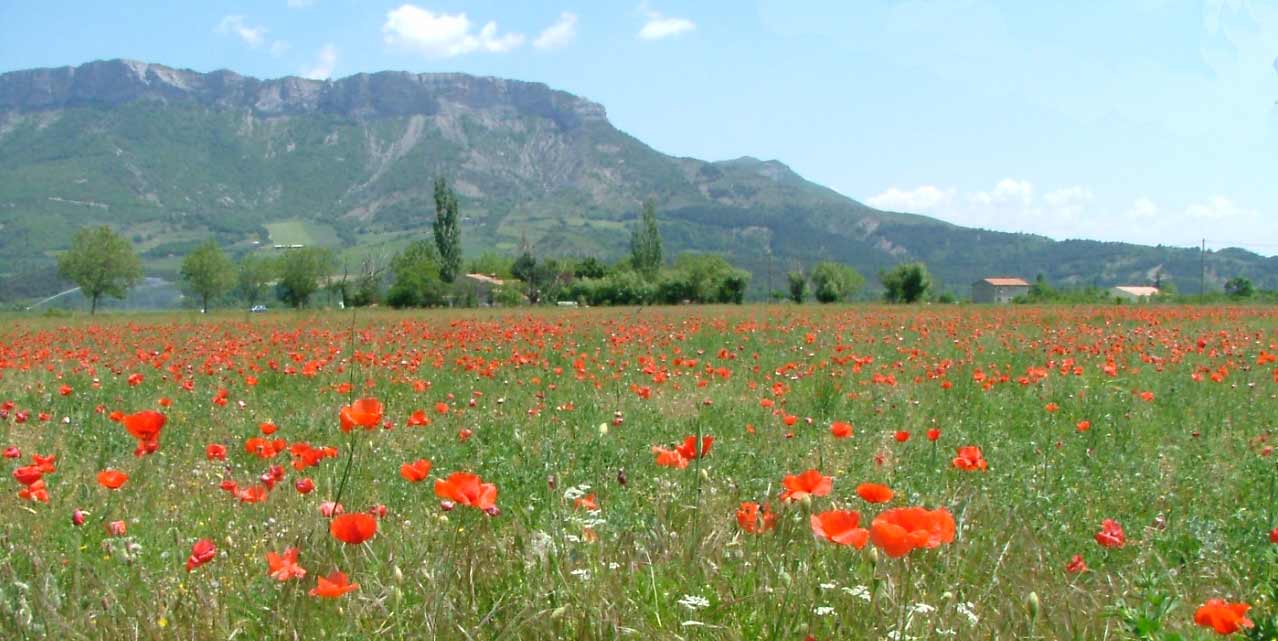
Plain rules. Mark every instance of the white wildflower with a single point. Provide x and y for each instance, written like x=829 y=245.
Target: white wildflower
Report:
x=859 y=591
x=575 y=492
x=823 y=611
x=923 y=608
x=694 y=602
x=968 y=610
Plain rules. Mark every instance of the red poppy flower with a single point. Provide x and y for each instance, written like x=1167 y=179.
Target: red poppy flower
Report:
x=418 y=418
x=202 y=552
x=588 y=503
x=365 y=413
x=933 y=434
x=1076 y=565
x=840 y=526
x=215 y=452
x=1223 y=617
x=354 y=528
x=755 y=520
x=35 y=492
x=45 y=463
x=689 y=448
x=902 y=436
x=145 y=426
x=333 y=586
x=1083 y=426
x=416 y=471
x=808 y=484
x=112 y=479
x=874 y=492
x=284 y=567
x=970 y=458
x=304 y=485
x=469 y=489
x=1111 y=534
x=670 y=458
x=840 y=429
x=900 y=530
x=28 y=474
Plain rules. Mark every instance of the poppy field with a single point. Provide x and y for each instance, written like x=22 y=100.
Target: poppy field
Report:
x=660 y=473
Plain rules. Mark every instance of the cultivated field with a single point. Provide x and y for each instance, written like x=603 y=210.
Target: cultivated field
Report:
x=1018 y=433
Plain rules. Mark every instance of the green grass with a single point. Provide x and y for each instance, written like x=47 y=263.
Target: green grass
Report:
x=555 y=407
x=296 y=231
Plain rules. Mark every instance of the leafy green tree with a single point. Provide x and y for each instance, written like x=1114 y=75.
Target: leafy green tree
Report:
x=906 y=283
x=302 y=272
x=417 y=277
x=645 y=243
x=1041 y=290
x=102 y=263
x=208 y=273
x=798 y=286
x=590 y=267
x=255 y=273
x=704 y=278
x=524 y=266
x=490 y=263
x=835 y=282
x=1239 y=287
x=447 y=231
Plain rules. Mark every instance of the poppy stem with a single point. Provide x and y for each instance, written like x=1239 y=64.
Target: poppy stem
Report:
x=346 y=473
x=350 y=398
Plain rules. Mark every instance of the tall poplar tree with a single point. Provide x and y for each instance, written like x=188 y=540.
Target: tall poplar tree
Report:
x=447 y=230
x=645 y=243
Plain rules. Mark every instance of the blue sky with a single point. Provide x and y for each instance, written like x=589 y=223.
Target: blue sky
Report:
x=1150 y=121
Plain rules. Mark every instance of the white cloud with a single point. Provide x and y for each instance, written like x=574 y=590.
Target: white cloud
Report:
x=1142 y=209
x=1218 y=208
x=325 y=61
x=300 y=4
x=443 y=35
x=1013 y=205
x=659 y=26
x=922 y=200
x=235 y=25
x=1008 y=190
x=558 y=34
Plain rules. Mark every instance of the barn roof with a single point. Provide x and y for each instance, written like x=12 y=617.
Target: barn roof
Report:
x=1138 y=290
x=1007 y=282
x=485 y=278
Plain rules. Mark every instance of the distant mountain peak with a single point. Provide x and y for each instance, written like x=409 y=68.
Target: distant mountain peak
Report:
x=362 y=95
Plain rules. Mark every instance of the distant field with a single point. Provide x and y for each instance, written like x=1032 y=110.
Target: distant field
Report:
x=1041 y=473
x=296 y=231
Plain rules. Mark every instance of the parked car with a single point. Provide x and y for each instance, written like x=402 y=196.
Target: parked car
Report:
x=258 y=308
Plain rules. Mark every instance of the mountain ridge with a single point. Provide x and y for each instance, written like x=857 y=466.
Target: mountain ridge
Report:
x=173 y=156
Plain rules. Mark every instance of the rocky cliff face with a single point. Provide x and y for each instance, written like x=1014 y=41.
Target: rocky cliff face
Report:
x=384 y=94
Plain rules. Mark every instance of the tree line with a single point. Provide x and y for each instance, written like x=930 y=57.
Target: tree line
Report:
x=432 y=272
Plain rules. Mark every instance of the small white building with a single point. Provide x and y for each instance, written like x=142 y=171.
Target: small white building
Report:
x=1134 y=292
